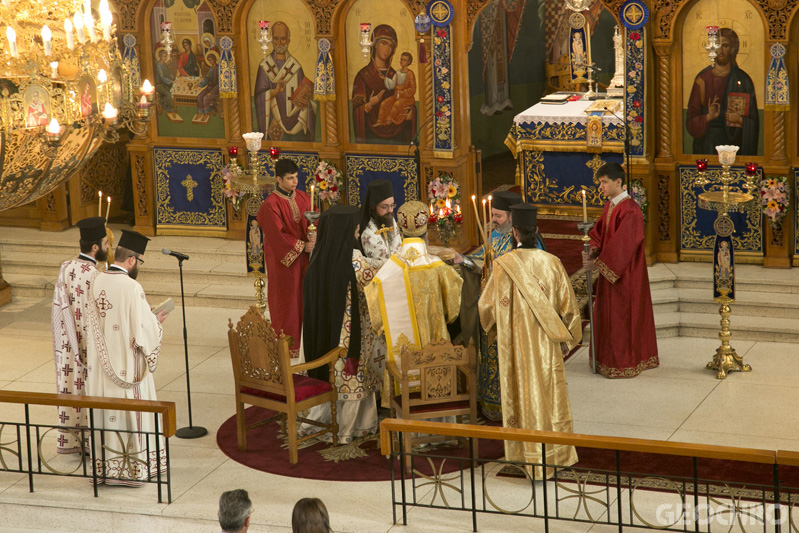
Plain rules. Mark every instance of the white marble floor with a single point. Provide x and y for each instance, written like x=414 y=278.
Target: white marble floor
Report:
x=680 y=401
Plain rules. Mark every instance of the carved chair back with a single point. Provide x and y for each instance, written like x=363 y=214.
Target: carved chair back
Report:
x=260 y=358
x=437 y=364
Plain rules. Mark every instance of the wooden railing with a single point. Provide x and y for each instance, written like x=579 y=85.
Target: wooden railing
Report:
x=772 y=496
x=165 y=428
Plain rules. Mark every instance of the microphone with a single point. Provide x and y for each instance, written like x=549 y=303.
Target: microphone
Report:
x=180 y=256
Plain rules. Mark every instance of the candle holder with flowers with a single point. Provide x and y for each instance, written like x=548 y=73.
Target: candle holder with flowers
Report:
x=230 y=171
x=329 y=182
x=444 y=197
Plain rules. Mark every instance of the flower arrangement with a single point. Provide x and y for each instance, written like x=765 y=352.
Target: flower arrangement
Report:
x=329 y=182
x=638 y=194
x=234 y=195
x=444 y=196
x=775 y=196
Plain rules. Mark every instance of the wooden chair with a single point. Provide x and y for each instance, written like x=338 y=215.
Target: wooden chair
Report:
x=447 y=377
x=265 y=378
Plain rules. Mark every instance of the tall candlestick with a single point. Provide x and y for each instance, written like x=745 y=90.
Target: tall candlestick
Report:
x=476 y=216
x=485 y=224
x=313 y=206
x=100 y=204
x=108 y=209
x=77 y=20
x=490 y=214
x=11 y=35
x=585 y=212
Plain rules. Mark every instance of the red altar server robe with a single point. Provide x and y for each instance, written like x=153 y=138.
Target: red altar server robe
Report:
x=282 y=219
x=624 y=337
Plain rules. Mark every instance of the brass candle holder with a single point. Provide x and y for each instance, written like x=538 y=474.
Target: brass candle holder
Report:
x=724 y=198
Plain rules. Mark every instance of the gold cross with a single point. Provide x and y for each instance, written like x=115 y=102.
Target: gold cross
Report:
x=440 y=11
x=189 y=184
x=594 y=165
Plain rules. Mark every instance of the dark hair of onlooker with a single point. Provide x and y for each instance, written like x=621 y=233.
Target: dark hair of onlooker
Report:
x=310 y=516
x=285 y=166
x=86 y=246
x=613 y=171
x=234 y=509
x=527 y=236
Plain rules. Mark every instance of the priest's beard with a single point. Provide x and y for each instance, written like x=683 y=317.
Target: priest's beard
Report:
x=281 y=48
x=101 y=256
x=134 y=272
x=386 y=221
x=504 y=228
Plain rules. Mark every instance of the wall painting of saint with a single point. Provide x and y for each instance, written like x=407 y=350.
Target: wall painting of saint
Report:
x=283 y=78
x=187 y=76
x=384 y=85
x=723 y=103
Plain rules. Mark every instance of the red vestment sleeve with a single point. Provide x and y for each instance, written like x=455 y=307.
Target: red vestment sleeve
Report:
x=596 y=232
x=620 y=245
x=278 y=238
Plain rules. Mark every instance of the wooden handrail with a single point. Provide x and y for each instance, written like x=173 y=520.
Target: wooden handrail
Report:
x=587 y=441
x=787 y=458
x=96 y=402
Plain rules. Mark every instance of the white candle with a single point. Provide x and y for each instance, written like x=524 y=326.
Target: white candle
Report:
x=88 y=21
x=78 y=21
x=100 y=204
x=68 y=32
x=147 y=88
x=102 y=77
x=313 y=207
x=12 y=41
x=105 y=19
x=54 y=127
x=47 y=39
x=585 y=211
x=54 y=69
x=108 y=209
x=109 y=112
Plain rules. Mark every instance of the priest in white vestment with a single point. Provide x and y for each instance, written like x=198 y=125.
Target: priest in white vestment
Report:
x=68 y=316
x=415 y=295
x=121 y=362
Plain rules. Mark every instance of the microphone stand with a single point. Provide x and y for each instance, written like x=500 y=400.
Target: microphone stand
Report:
x=585 y=227
x=191 y=432
x=626 y=142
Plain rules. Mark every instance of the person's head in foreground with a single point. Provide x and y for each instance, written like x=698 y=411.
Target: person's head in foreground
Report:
x=310 y=516
x=235 y=509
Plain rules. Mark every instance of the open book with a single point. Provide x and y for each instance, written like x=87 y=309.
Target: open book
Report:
x=167 y=305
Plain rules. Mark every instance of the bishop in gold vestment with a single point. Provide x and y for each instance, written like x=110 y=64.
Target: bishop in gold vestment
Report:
x=529 y=304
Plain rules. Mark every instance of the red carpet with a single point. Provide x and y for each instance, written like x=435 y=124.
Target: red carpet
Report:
x=265 y=454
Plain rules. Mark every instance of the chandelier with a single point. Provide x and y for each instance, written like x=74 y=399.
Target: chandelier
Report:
x=62 y=77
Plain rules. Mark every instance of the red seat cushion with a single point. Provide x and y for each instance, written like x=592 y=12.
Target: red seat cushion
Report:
x=430 y=408
x=304 y=388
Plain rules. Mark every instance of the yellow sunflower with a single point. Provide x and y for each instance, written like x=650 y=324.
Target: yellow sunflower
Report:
x=771 y=183
x=322 y=185
x=441 y=203
x=773 y=206
x=452 y=191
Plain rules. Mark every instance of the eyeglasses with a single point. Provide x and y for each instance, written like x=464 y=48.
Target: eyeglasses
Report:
x=140 y=260
x=387 y=206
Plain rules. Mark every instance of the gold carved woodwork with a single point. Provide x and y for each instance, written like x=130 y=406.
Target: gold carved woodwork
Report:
x=778 y=134
x=126 y=10
x=323 y=13
x=104 y=172
x=778 y=14
x=664 y=216
x=140 y=179
x=331 y=123
x=663 y=52
x=473 y=8
x=662 y=15
x=223 y=11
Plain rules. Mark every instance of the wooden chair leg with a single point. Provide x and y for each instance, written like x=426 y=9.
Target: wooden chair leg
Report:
x=241 y=426
x=291 y=429
x=334 y=422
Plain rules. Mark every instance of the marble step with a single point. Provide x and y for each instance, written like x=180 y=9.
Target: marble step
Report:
x=238 y=295
x=707 y=326
x=157 y=267
x=748 y=278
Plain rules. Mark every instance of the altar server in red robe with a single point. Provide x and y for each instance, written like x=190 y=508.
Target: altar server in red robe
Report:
x=624 y=334
x=286 y=250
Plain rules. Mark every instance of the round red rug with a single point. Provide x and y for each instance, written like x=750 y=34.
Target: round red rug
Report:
x=265 y=453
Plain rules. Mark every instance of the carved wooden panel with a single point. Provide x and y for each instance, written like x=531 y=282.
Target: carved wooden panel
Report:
x=140 y=181
x=663 y=207
x=223 y=11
